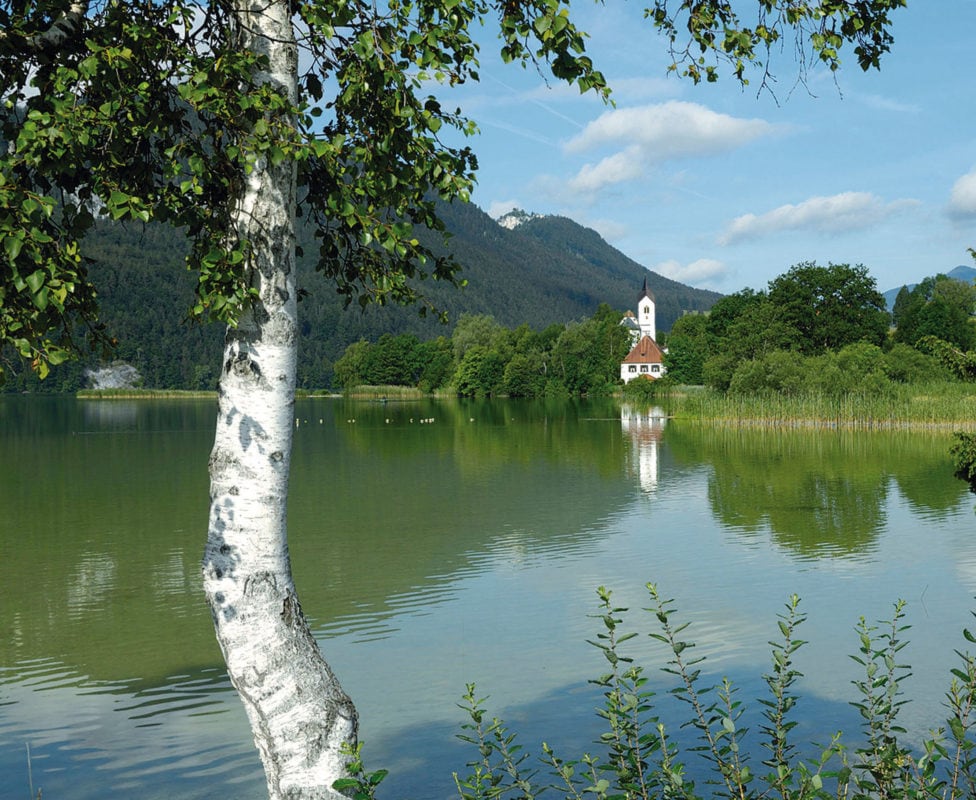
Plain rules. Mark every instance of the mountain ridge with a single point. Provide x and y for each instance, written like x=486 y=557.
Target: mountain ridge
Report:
x=547 y=270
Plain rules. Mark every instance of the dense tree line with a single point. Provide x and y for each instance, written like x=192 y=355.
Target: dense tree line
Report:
x=808 y=330
x=548 y=270
x=939 y=306
x=824 y=329
x=483 y=358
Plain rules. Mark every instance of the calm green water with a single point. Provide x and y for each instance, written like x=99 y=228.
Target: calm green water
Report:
x=429 y=555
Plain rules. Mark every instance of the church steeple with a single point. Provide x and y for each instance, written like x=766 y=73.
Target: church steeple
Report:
x=645 y=312
x=645 y=359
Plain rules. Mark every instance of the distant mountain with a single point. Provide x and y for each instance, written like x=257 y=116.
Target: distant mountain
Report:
x=549 y=269
x=960 y=273
x=542 y=270
x=591 y=271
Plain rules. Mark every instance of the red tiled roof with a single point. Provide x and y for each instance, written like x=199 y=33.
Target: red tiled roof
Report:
x=645 y=351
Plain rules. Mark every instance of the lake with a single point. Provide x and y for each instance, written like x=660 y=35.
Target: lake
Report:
x=441 y=543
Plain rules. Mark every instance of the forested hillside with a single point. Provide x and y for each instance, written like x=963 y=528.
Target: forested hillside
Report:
x=549 y=270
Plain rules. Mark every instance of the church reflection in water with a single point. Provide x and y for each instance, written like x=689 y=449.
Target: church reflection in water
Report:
x=645 y=426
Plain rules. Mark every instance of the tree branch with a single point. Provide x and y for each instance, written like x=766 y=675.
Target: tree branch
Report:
x=65 y=27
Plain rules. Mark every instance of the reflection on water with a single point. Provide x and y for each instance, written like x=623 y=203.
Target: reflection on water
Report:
x=645 y=426
x=431 y=555
x=100 y=415
x=821 y=495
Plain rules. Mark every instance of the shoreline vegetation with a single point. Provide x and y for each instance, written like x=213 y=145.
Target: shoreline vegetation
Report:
x=915 y=406
x=144 y=394
x=645 y=757
x=173 y=394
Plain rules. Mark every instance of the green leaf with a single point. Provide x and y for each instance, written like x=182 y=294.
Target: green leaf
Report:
x=12 y=245
x=36 y=280
x=40 y=298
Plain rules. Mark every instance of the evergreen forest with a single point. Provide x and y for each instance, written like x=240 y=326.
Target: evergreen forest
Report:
x=547 y=271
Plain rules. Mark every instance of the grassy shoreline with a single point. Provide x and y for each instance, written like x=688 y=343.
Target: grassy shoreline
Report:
x=910 y=406
x=385 y=393
x=173 y=394
x=144 y=394
x=906 y=407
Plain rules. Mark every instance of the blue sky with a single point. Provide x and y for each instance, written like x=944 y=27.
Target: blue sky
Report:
x=718 y=188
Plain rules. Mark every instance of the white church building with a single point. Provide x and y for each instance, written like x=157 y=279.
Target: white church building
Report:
x=645 y=359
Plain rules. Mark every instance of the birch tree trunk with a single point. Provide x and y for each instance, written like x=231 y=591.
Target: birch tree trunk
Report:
x=299 y=715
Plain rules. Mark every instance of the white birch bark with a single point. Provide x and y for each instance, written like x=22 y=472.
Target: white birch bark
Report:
x=299 y=714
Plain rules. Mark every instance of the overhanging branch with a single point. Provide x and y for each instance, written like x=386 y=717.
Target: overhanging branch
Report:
x=65 y=27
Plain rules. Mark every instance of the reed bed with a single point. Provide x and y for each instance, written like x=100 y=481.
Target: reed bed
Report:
x=949 y=405
x=144 y=394
x=385 y=393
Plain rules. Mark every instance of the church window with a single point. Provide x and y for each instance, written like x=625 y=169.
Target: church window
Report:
x=656 y=368
x=632 y=368
x=643 y=367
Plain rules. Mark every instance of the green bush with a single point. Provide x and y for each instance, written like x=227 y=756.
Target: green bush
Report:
x=779 y=372
x=963 y=453
x=905 y=364
x=645 y=390
x=639 y=758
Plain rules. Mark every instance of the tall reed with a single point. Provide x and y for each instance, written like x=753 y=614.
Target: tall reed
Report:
x=144 y=394
x=902 y=406
x=385 y=393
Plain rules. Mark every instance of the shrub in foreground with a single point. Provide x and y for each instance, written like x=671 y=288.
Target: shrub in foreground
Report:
x=639 y=758
x=963 y=452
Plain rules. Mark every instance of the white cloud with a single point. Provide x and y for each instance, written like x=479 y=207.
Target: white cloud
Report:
x=962 y=201
x=702 y=271
x=847 y=211
x=622 y=166
x=670 y=130
x=656 y=133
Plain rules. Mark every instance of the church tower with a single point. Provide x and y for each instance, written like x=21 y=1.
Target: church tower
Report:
x=645 y=359
x=645 y=312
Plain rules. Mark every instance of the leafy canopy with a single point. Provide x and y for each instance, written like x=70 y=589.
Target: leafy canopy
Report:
x=830 y=306
x=150 y=110
x=145 y=110
x=704 y=35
